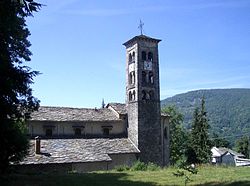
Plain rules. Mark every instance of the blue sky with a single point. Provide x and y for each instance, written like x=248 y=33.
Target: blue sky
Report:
x=77 y=47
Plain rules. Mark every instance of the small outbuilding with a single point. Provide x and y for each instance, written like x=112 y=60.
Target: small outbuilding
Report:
x=222 y=155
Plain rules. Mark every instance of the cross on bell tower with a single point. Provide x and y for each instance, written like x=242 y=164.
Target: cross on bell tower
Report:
x=141 y=26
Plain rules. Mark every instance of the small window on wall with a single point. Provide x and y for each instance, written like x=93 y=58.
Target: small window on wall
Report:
x=147 y=96
x=133 y=57
x=150 y=56
x=48 y=132
x=151 y=95
x=166 y=132
x=143 y=55
x=151 y=77
x=133 y=95
x=106 y=131
x=78 y=132
x=130 y=58
x=129 y=96
x=132 y=78
x=144 y=77
x=48 y=129
x=144 y=95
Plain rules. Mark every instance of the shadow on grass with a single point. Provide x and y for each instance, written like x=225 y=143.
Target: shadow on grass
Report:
x=86 y=179
x=236 y=183
x=90 y=179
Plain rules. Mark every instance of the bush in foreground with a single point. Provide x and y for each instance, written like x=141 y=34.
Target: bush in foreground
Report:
x=138 y=166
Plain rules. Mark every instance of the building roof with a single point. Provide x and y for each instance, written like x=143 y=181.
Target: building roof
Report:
x=120 y=108
x=78 y=150
x=46 y=113
x=221 y=151
x=141 y=37
x=73 y=114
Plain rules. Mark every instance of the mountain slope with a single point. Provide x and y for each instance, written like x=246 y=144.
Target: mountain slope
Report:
x=228 y=110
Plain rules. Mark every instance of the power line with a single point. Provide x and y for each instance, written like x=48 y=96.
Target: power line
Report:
x=231 y=136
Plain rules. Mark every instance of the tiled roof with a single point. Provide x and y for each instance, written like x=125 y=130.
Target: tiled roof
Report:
x=122 y=109
x=46 y=113
x=73 y=114
x=223 y=150
x=119 y=107
x=78 y=150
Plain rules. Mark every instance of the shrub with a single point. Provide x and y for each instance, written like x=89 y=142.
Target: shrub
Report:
x=122 y=168
x=139 y=166
x=152 y=167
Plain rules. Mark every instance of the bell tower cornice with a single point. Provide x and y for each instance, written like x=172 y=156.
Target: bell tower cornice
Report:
x=141 y=38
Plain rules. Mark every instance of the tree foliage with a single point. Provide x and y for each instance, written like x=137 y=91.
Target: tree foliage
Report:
x=16 y=100
x=177 y=134
x=243 y=146
x=200 y=144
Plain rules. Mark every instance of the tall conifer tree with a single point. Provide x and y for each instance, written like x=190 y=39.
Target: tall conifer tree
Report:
x=16 y=100
x=200 y=143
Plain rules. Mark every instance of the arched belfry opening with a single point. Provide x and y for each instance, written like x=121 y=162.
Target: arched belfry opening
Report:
x=144 y=56
x=150 y=56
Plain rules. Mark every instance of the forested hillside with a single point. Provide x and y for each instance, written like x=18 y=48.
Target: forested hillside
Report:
x=228 y=110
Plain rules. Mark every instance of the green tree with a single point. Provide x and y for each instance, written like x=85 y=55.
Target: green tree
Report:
x=177 y=134
x=16 y=100
x=200 y=144
x=243 y=146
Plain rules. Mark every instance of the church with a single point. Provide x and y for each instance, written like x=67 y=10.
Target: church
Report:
x=83 y=139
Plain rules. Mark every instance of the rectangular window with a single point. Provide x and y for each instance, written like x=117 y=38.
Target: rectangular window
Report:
x=106 y=130
x=78 y=132
x=48 y=132
x=48 y=129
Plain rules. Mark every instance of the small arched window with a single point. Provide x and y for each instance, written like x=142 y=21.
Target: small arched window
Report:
x=133 y=95
x=150 y=56
x=144 y=96
x=133 y=57
x=144 y=77
x=143 y=55
x=147 y=96
x=133 y=77
x=151 y=77
x=166 y=132
x=130 y=77
x=130 y=58
x=129 y=96
x=151 y=95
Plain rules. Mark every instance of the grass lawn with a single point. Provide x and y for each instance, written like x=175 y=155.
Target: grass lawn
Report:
x=207 y=175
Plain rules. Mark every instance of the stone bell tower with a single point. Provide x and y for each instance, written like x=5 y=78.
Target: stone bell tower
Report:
x=143 y=97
